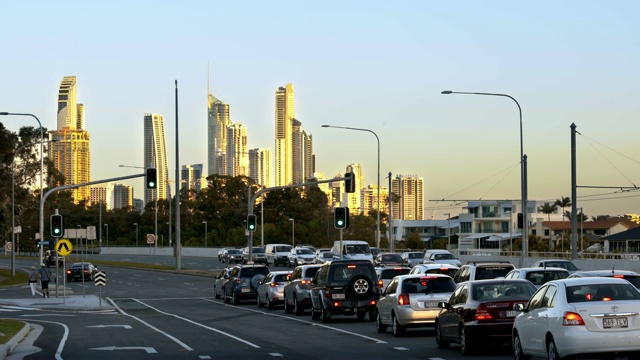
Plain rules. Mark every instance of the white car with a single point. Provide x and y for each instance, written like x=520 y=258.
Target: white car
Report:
x=596 y=317
x=537 y=275
x=446 y=269
x=301 y=256
x=440 y=256
x=270 y=291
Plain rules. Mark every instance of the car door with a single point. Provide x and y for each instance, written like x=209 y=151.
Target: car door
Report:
x=534 y=323
x=450 y=318
x=264 y=287
x=290 y=288
x=386 y=302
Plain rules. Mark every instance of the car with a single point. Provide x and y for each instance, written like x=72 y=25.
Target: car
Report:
x=479 y=270
x=80 y=271
x=537 y=275
x=411 y=301
x=412 y=258
x=277 y=254
x=344 y=287
x=594 y=317
x=258 y=255
x=296 y=292
x=561 y=263
x=631 y=276
x=270 y=290
x=301 y=256
x=388 y=259
x=375 y=251
x=441 y=256
x=384 y=275
x=51 y=259
x=323 y=257
x=351 y=250
x=221 y=253
x=243 y=282
x=432 y=268
x=480 y=313
x=219 y=280
x=232 y=255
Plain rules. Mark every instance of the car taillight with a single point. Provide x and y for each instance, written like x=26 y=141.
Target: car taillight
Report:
x=572 y=319
x=380 y=283
x=327 y=293
x=305 y=282
x=273 y=284
x=482 y=313
x=68 y=271
x=239 y=280
x=403 y=299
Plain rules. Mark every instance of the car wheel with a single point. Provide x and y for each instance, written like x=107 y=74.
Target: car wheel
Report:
x=226 y=298
x=552 y=351
x=269 y=303
x=379 y=325
x=517 y=348
x=287 y=308
x=260 y=303
x=215 y=293
x=465 y=343
x=372 y=314
x=324 y=314
x=439 y=342
x=314 y=314
x=234 y=299
x=297 y=309
x=398 y=330
x=361 y=314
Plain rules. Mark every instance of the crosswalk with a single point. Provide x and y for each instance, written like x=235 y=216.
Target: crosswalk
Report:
x=9 y=308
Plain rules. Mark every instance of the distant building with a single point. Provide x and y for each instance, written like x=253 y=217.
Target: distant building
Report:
x=138 y=205
x=237 y=155
x=122 y=196
x=284 y=115
x=217 y=123
x=354 y=200
x=260 y=161
x=191 y=176
x=369 y=199
x=102 y=194
x=302 y=157
x=410 y=189
x=155 y=155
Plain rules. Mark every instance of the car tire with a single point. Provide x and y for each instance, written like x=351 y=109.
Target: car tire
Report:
x=466 y=346
x=269 y=303
x=226 y=298
x=287 y=309
x=361 y=315
x=380 y=327
x=215 y=293
x=360 y=287
x=442 y=344
x=398 y=330
x=297 y=309
x=260 y=303
x=518 y=354
x=234 y=299
x=314 y=314
x=324 y=315
x=552 y=351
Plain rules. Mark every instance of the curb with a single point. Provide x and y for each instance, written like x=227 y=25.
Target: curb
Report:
x=6 y=349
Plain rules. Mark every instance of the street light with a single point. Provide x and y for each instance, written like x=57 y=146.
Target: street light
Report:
x=523 y=160
x=448 y=231
x=293 y=232
x=378 y=140
x=41 y=231
x=136 y=225
x=107 y=226
x=205 y=232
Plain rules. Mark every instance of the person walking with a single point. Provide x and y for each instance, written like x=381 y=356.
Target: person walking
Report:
x=45 y=276
x=33 y=280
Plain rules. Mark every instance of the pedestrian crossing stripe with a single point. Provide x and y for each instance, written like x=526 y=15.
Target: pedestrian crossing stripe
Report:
x=15 y=308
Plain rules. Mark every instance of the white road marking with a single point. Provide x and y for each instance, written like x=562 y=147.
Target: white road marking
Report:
x=204 y=357
x=62 y=341
x=400 y=348
x=48 y=315
x=149 y=350
x=276 y=354
x=19 y=307
x=105 y=326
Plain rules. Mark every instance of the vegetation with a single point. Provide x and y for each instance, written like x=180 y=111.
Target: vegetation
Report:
x=9 y=328
x=6 y=279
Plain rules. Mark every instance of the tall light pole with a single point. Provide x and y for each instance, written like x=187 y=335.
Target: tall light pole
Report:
x=448 y=231
x=523 y=165
x=293 y=232
x=136 y=225
x=205 y=232
x=378 y=140
x=107 y=227
x=41 y=231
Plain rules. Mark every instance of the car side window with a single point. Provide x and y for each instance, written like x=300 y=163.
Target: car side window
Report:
x=321 y=275
x=391 y=288
x=268 y=278
x=536 y=299
x=549 y=296
x=297 y=272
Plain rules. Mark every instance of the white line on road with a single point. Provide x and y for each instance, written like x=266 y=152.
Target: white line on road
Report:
x=276 y=354
x=18 y=307
x=47 y=315
x=198 y=324
x=62 y=341
x=401 y=348
x=149 y=350
x=105 y=326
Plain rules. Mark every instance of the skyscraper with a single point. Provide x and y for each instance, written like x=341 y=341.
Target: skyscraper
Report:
x=354 y=199
x=260 y=166
x=103 y=194
x=70 y=151
x=155 y=155
x=237 y=159
x=284 y=115
x=122 y=196
x=302 y=153
x=191 y=178
x=218 y=120
x=410 y=188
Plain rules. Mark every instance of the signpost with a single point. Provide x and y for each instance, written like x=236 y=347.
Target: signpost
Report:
x=63 y=247
x=8 y=246
x=151 y=238
x=100 y=279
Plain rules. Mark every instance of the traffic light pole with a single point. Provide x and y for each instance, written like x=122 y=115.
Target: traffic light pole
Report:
x=65 y=187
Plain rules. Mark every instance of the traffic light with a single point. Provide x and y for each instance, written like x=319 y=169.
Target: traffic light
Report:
x=151 y=178
x=57 y=225
x=251 y=222
x=37 y=244
x=349 y=183
x=341 y=217
x=520 y=221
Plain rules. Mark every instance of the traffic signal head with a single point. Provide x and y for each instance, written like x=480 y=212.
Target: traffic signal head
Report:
x=57 y=225
x=151 y=178
x=349 y=183
x=520 y=221
x=341 y=217
x=251 y=222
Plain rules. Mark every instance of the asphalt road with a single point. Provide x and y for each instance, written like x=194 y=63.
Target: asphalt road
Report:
x=163 y=315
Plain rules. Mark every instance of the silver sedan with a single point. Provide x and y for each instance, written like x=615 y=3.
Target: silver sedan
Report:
x=270 y=291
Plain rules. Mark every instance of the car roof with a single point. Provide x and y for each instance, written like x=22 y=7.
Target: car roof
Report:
x=603 y=273
x=438 y=266
x=589 y=281
x=497 y=281
x=280 y=272
x=382 y=268
x=418 y=276
x=540 y=268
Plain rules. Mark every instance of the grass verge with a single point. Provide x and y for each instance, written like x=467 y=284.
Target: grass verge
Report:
x=8 y=329
x=6 y=279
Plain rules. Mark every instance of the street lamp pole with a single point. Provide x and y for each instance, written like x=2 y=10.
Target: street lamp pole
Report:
x=378 y=140
x=523 y=180
x=41 y=231
x=107 y=227
x=293 y=232
x=205 y=232
x=136 y=225
x=448 y=231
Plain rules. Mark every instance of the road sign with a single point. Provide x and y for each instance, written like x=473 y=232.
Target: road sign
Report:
x=91 y=232
x=151 y=238
x=100 y=278
x=8 y=246
x=64 y=247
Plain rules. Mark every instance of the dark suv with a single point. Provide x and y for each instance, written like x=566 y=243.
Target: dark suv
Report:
x=344 y=287
x=243 y=283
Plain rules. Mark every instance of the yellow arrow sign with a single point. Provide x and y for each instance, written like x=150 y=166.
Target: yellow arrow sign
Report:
x=63 y=247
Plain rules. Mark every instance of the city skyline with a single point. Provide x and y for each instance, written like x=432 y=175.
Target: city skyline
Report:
x=379 y=66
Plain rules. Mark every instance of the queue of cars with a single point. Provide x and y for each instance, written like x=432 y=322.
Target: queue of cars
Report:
x=542 y=311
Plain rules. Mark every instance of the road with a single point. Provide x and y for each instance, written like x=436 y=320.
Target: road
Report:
x=162 y=315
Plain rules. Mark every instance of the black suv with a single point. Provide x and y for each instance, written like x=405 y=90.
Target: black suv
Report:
x=243 y=283
x=344 y=287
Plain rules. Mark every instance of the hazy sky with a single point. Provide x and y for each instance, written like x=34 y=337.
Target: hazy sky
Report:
x=379 y=65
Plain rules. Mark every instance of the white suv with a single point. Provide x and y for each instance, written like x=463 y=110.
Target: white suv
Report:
x=440 y=256
x=301 y=256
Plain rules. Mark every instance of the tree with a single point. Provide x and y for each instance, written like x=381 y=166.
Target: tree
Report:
x=414 y=241
x=549 y=209
x=563 y=202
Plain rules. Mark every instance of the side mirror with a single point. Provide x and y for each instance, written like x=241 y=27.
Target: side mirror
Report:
x=519 y=307
x=443 y=305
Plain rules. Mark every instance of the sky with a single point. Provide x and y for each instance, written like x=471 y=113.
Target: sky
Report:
x=378 y=65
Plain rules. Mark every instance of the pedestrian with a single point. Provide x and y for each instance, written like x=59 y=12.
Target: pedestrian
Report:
x=45 y=276
x=33 y=279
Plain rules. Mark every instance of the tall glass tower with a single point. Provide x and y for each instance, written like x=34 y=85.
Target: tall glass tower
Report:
x=285 y=114
x=155 y=155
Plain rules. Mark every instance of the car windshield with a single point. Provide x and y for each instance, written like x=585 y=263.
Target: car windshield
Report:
x=281 y=278
x=304 y=252
x=326 y=255
x=543 y=276
x=310 y=272
x=234 y=252
x=391 y=258
x=602 y=292
x=428 y=284
x=388 y=274
x=283 y=248
x=445 y=271
x=345 y=272
x=258 y=250
x=415 y=255
x=562 y=264
x=492 y=272
x=358 y=249
x=501 y=290
x=443 y=256
x=250 y=272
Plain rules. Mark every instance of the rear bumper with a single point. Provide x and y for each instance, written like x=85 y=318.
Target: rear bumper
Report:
x=349 y=307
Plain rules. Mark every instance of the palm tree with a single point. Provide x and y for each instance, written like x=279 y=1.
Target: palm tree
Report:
x=563 y=202
x=548 y=209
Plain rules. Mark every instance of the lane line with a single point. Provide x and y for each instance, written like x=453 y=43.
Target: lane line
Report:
x=201 y=325
x=151 y=326
x=62 y=341
x=377 y=341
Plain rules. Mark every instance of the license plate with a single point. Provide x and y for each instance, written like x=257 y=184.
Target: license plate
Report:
x=615 y=322
x=337 y=296
x=245 y=290
x=430 y=304
x=511 y=313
